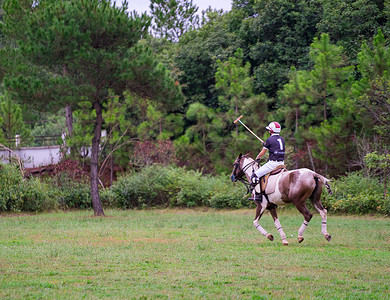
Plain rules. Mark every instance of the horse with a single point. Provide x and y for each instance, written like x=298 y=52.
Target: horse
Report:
x=294 y=187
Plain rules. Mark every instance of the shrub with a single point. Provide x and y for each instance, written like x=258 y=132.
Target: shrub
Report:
x=11 y=188
x=149 y=187
x=18 y=193
x=194 y=189
x=164 y=186
x=357 y=194
x=228 y=196
x=72 y=193
x=39 y=196
x=108 y=198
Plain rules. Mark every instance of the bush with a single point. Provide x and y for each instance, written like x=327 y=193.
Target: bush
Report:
x=194 y=189
x=149 y=187
x=39 y=196
x=108 y=198
x=18 y=193
x=72 y=193
x=11 y=188
x=173 y=186
x=357 y=194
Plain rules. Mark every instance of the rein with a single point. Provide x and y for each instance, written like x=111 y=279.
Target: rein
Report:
x=245 y=181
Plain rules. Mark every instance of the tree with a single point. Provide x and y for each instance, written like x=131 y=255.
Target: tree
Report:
x=13 y=124
x=330 y=73
x=202 y=117
x=1 y=20
x=197 y=55
x=234 y=80
x=78 y=50
x=173 y=18
x=326 y=86
x=293 y=107
x=351 y=22
x=276 y=38
x=380 y=163
x=248 y=6
x=374 y=61
x=372 y=90
x=376 y=105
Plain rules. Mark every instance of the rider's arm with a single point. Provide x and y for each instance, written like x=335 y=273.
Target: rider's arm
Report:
x=262 y=152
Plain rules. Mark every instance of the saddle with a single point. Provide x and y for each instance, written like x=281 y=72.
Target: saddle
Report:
x=267 y=182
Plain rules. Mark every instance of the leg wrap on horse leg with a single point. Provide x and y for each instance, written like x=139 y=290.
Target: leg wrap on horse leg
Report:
x=323 y=227
x=323 y=212
x=280 y=229
x=259 y=228
x=302 y=228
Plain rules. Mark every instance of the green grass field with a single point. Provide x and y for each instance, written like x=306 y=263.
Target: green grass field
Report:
x=191 y=254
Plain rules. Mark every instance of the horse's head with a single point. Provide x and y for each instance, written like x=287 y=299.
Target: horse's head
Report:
x=237 y=169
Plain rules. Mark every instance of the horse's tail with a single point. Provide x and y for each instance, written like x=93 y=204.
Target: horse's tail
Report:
x=325 y=181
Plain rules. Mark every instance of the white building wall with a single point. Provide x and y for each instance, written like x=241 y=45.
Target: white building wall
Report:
x=33 y=157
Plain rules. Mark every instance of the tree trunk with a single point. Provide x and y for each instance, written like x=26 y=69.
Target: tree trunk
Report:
x=97 y=206
x=69 y=118
x=69 y=122
x=310 y=155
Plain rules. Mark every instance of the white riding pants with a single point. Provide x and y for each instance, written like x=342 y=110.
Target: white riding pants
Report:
x=268 y=167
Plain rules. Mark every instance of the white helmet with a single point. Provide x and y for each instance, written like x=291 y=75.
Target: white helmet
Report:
x=274 y=127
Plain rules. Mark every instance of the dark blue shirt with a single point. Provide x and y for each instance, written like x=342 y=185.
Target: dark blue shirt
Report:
x=275 y=146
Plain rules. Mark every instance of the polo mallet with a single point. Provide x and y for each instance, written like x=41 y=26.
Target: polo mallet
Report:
x=239 y=120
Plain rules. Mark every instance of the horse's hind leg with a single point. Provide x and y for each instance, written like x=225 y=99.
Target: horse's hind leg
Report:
x=316 y=200
x=323 y=213
x=307 y=215
x=278 y=226
x=259 y=212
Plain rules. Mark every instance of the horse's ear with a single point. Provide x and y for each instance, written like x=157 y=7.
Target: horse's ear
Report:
x=239 y=156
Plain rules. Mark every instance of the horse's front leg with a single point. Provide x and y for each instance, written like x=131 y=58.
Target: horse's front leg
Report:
x=278 y=226
x=259 y=212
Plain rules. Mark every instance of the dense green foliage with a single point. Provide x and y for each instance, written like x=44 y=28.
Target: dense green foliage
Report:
x=172 y=186
x=77 y=51
x=319 y=67
x=158 y=186
x=19 y=194
x=356 y=194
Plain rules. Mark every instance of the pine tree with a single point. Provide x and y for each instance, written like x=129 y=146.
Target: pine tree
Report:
x=13 y=124
x=173 y=18
x=71 y=51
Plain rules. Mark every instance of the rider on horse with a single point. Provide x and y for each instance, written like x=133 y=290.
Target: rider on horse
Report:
x=276 y=146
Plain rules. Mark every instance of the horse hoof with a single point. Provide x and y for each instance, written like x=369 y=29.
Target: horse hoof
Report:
x=285 y=243
x=270 y=237
x=300 y=239
x=328 y=237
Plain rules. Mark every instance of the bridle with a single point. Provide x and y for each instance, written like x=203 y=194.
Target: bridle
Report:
x=240 y=176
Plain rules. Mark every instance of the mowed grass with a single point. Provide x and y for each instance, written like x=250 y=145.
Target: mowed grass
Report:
x=191 y=254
